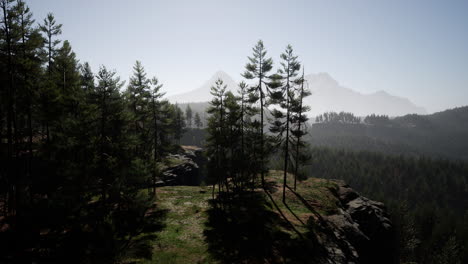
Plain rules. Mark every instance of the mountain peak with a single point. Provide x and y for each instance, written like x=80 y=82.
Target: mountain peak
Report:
x=321 y=78
x=327 y=95
x=381 y=93
x=221 y=75
x=202 y=93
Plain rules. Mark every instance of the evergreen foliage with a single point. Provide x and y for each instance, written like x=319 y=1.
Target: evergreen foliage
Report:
x=257 y=69
x=78 y=156
x=427 y=198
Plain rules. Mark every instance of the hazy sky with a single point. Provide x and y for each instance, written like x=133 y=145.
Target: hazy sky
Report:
x=414 y=49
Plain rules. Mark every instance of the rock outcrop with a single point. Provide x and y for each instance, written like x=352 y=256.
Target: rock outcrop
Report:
x=359 y=232
x=188 y=171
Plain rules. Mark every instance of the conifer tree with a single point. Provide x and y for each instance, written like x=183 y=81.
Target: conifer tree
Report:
x=139 y=97
x=248 y=137
x=167 y=132
x=110 y=126
x=51 y=29
x=29 y=67
x=299 y=120
x=179 y=124
x=188 y=115
x=197 y=120
x=8 y=41
x=87 y=77
x=66 y=76
x=283 y=96
x=49 y=94
x=156 y=95
x=257 y=69
x=216 y=139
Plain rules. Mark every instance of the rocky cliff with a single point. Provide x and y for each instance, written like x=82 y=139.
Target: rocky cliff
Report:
x=185 y=168
x=359 y=232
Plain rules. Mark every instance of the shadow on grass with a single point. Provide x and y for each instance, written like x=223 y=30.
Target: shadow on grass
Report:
x=294 y=214
x=89 y=237
x=245 y=229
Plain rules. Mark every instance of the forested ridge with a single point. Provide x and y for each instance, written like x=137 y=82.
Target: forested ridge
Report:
x=79 y=149
x=83 y=154
x=439 y=135
x=427 y=198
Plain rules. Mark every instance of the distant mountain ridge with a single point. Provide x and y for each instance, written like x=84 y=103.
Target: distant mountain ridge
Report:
x=202 y=93
x=327 y=96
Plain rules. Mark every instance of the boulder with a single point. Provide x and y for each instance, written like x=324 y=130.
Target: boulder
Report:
x=188 y=171
x=359 y=232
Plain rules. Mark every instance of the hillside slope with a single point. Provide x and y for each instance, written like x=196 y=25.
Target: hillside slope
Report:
x=441 y=134
x=320 y=223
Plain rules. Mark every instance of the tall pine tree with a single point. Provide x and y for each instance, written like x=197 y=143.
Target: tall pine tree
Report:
x=283 y=96
x=257 y=69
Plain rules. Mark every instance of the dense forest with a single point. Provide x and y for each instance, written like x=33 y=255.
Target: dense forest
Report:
x=439 y=135
x=79 y=149
x=427 y=198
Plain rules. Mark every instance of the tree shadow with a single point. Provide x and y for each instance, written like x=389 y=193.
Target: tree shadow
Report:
x=245 y=229
x=85 y=238
x=294 y=214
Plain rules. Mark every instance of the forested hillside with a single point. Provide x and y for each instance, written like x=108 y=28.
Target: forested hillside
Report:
x=79 y=150
x=442 y=134
x=92 y=168
x=428 y=198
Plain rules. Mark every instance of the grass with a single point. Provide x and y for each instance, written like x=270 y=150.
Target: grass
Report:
x=182 y=239
x=187 y=238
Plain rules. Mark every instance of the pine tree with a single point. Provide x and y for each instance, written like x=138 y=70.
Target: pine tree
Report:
x=247 y=137
x=179 y=124
x=27 y=67
x=216 y=139
x=257 y=69
x=299 y=119
x=87 y=77
x=49 y=94
x=283 y=96
x=156 y=95
x=110 y=125
x=188 y=115
x=197 y=121
x=139 y=98
x=7 y=40
x=123 y=211
x=51 y=29
x=234 y=141
x=167 y=127
x=66 y=76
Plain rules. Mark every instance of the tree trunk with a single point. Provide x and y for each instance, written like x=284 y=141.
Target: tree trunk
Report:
x=286 y=144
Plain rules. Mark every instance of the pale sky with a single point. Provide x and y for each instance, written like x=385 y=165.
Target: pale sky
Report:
x=414 y=48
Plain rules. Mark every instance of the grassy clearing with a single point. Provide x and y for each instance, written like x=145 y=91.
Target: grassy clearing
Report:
x=183 y=239
x=316 y=192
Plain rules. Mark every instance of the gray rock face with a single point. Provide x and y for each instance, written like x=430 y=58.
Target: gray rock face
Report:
x=188 y=172
x=360 y=231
